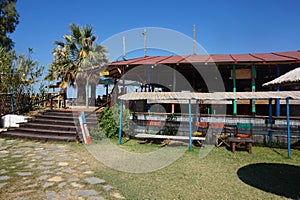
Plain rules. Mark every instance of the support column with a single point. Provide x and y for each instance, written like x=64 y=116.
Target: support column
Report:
x=172 y=108
x=253 y=76
x=288 y=126
x=277 y=89
x=174 y=86
x=106 y=92
x=148 y=71
x=190 y=123
x=134 y=110
x=174 y=79
x=270 y=120
x=123 y=80
x=87 y=90
x=197 y=111
x=121 y=121
x=133 y=126
x=234 y=90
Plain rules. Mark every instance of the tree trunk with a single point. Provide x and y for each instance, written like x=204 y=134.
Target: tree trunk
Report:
x=93 y=93
x=81 y=94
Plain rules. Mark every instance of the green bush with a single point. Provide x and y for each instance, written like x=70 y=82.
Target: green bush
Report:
x=109 y=121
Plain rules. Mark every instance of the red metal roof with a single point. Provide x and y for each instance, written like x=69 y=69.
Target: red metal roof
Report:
x=291 y=56
x=294 y=55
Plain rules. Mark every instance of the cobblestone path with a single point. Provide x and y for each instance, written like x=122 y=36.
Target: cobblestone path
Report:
x=37 y=170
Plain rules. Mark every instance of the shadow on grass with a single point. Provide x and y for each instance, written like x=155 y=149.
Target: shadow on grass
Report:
x=279 y=179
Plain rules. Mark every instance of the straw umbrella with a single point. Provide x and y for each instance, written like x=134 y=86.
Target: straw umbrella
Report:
x=288 y=79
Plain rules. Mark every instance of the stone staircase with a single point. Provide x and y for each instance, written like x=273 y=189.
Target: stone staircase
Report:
x=52 y=125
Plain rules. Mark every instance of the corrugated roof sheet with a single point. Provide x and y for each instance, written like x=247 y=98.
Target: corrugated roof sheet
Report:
x=292 y=56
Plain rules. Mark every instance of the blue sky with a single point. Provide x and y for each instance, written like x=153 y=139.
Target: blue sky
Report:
x=223 y=26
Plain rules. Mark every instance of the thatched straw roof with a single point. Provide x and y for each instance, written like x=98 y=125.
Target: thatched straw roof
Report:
x=192 y=101
x=209 y=96
x=290 y=78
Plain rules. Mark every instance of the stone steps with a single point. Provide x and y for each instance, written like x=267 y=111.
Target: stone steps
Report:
x=35 y=136
x=52 y=125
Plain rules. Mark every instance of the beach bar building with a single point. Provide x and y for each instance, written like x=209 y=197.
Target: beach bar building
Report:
x=224 y=74
x=238 y=73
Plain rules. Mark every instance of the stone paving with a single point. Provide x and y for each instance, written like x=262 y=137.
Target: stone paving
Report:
x=37 y=170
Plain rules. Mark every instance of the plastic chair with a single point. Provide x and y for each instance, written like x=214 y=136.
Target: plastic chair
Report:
x=221 y=136
x=201 y=130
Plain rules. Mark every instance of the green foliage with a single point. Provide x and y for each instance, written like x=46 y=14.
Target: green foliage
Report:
x=170 y=125
x=171 y=118
x=109 y=121
x=9 y=19
x=126 y=122
x=18 y=74
x=78 y=60
x=76 y=54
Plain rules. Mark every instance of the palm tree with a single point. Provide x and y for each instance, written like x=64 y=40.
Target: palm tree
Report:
x=76 y=59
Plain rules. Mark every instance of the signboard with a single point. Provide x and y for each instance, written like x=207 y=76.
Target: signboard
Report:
x=85 y=132
x=242 y=74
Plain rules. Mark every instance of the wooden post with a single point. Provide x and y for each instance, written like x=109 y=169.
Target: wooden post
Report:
x=51 y=102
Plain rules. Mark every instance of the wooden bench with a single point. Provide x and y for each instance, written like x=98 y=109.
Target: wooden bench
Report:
x=153 y=130
x=242 y=136
x=171 y=137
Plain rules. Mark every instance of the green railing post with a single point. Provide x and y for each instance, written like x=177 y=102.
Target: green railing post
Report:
x=253 y=75
x=234 y=103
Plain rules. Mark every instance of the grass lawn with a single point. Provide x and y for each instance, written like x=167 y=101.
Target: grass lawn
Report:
x=267 y=173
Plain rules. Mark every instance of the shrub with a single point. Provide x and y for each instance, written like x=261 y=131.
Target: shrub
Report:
x=109 y=121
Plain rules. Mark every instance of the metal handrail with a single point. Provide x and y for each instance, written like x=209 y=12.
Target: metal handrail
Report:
x=98 y=108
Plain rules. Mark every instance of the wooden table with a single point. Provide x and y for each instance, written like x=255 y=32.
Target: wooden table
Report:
x=235 y=141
